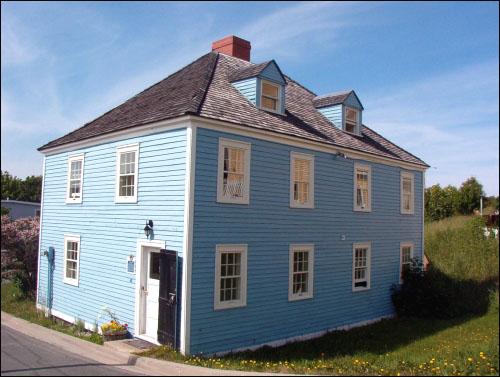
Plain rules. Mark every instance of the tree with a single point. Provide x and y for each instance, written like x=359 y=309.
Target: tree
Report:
x=470 y=196
x=14 y=188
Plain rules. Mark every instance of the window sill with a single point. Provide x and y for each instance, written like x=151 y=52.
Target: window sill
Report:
x=232 y=201
x=125 y=200
x=357 y=209
x=299 y=298
x=71 y=282
x=271 y=110
x=225 y=306
x=70 y=201
x=361 y=289
x=407 y=213
x=306 y=206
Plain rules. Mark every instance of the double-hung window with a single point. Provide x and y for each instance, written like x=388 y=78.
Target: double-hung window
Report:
x=230 y=276
x=233 y=180
x=351 y=120
x=361 y=266
x=270 y=96
x=301 y=270
x=71 y=265
x=127 y=164
x=301 y=180
x=407 y=193
x=405 y=256
x=75 y=179
x=362 y=188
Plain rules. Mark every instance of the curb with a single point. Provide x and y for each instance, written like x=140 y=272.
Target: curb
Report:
x=109 y=355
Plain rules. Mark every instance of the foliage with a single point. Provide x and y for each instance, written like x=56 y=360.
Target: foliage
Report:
x=14 y=302
x=441 y=203
x=470 y=195
x=5 y=211
x=14 y=188
x=457 y=247
x=113 y=327
x=21 y=237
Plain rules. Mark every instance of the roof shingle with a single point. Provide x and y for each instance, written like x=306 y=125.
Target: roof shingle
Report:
x=204 y=88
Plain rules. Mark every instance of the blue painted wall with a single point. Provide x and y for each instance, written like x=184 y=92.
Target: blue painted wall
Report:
x=334 y=114
x=271 y=72
x=248 y=88
x=20 y=209
x=268 y=226
x=109 y=232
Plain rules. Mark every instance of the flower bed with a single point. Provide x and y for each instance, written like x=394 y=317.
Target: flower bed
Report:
x=114 y=330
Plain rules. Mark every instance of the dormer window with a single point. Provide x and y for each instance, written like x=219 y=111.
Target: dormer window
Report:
x=270 y=96
x=351 y=120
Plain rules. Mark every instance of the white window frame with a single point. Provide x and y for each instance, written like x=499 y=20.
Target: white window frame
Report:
x=310 y=277
x=242 y=302
x=77 y=200
x=411 y=211
x=71 y=238
x=355 y=202
x=368 y=246
x=356 y=127
x=412 y=253
x=119 y=151
x=302 y=156
x=278 y=99
x=245 y=199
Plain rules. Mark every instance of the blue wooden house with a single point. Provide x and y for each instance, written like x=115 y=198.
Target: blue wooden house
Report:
x=227 y=207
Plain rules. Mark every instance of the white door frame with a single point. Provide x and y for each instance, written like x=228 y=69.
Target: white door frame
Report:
x=141 y=244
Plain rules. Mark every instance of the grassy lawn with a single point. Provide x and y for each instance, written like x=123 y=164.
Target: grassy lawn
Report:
x=26 y=309
x=403 y=346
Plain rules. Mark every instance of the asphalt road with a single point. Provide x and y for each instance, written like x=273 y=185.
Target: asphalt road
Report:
x=25 y=356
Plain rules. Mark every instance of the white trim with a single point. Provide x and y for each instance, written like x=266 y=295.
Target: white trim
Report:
x=243 y=250
x=70 y=319
x=141 y=243
x=422 y=207
x=368 y=246
x=302 y=156
x=78 y=157
x=300 y=338
x=412 y=252
x=411 y=211
x=125 y=149
x=187 y=241
x=310 y=270
x=223 y=126
x=40 y=235
x=246 y=147
x=358 y=166
x=72 y=238
x=278 y=99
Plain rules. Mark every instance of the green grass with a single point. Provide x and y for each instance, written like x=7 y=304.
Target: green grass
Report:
x=402 y=346
x=15 y=304
x=457 y=247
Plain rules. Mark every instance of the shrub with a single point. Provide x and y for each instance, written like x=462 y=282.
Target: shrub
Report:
x=21 y=237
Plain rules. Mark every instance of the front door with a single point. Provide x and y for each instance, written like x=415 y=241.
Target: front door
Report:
x=168 y=297
x=152 y=290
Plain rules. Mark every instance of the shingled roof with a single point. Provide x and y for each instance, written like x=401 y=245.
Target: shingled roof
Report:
x=204 y=88
x=332 y=98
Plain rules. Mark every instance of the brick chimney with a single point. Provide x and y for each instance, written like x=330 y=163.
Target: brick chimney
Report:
x=234 y=46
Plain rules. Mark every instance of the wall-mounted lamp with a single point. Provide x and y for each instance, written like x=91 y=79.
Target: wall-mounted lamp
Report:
x=340 y=154
x=148 y=229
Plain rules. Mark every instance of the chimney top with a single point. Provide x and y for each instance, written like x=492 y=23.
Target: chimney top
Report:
x=233 y=46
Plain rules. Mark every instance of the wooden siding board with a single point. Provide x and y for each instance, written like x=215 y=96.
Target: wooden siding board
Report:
x=248 y=88
x=109 y=232
x=333 y=114
x=269 y=226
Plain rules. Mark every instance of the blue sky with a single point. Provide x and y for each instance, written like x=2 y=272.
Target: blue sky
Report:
x=426 y=73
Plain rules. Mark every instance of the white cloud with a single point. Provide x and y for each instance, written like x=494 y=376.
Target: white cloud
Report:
x=450 y=120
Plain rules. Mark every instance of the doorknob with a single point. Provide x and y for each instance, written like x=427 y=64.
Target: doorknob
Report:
x=172 y=298
x=144 y=290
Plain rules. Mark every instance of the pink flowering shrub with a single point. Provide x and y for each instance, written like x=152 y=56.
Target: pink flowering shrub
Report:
x=21 y=238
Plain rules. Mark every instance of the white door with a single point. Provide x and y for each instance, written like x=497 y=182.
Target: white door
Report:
x=151 y=291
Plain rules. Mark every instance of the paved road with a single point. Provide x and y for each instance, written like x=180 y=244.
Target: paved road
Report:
x=26 y=356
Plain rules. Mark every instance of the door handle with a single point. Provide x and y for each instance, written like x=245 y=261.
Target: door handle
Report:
x=143 y=290
x=172 y=298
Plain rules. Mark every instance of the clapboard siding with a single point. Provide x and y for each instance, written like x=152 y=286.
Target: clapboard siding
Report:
x=333 y=114
x=248 y=88
x=109 y=231
x=268 y=226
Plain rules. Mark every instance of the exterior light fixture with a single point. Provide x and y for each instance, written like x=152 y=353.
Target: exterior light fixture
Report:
x=148 y=229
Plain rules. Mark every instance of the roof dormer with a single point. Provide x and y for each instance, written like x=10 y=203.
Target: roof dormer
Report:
x=343 y=109
x=263 y=85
